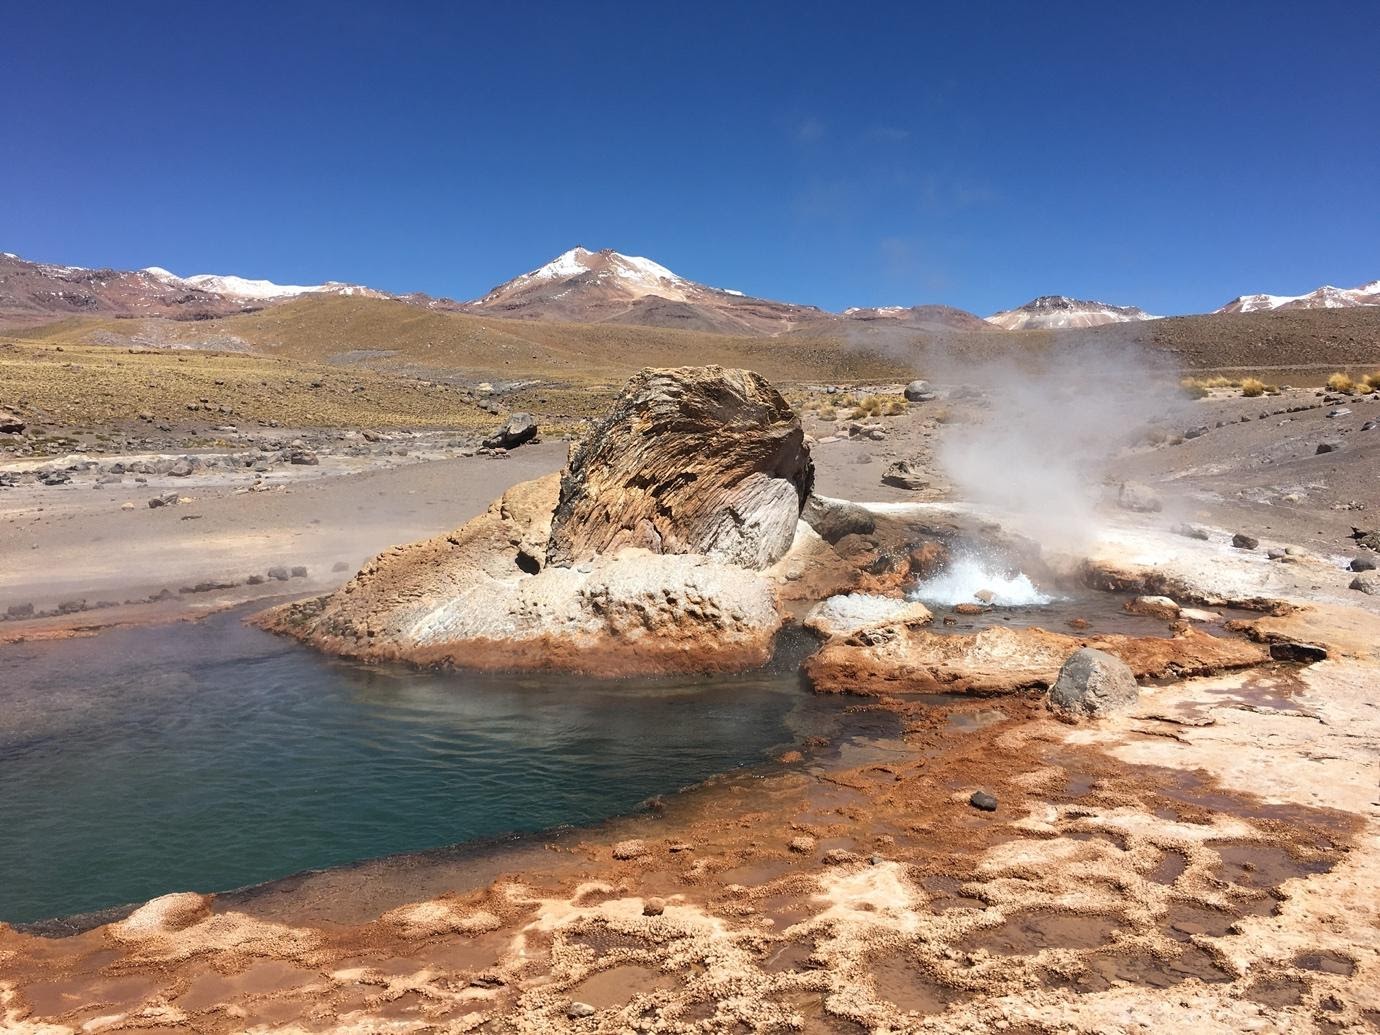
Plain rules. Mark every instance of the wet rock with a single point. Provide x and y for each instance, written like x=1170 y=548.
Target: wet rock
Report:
x=340 y=566
x=1307 y=653
x=631 y=849
x=1362 y=564
x=71 y=607
x=168 y=913
x=839 y=857
x=698 y=460
x=167 y=499
x=1242 y=541
x=1370 y=425
x=1138 y=497
x=1340 y=411
x=517 y=429
x=1093 y=683
x=802 y=844
x=181 y=468
x=984 y=801
x=1275 y=553
x=1191 y=532
x=1197 y=432
x=968 y=608
x=919 y=391
x=905 y=474
x=1332 y=445
x=1367 y=582
x=834 y=519
x=279 y=573
x=255 y=580
x=578 y=1011
x=846 y=614
x=301 y=456
x=299 y=571
x=1153 y=607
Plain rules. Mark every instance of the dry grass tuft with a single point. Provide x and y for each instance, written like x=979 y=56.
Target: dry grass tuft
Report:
x=1252 y=387
x=1343 y=383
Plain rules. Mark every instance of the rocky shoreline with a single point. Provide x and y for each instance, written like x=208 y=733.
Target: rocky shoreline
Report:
x=1200 y=848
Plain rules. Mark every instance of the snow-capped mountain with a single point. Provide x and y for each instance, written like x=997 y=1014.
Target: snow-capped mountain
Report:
x=31 y=292
x=258 y=290
x=1325 y=297
x=1052 y=312
x=916 y=317
x=583 y=286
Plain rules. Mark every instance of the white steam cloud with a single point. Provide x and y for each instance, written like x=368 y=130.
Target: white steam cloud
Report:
x=1052 y=430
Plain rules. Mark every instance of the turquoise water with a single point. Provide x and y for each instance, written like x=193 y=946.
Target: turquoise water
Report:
x=206 y=756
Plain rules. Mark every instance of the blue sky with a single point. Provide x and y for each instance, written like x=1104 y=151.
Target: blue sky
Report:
x=1166 y=155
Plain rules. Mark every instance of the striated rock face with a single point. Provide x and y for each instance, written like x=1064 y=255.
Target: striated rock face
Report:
x=693 y=460
x=907 y=658
x=640 y=558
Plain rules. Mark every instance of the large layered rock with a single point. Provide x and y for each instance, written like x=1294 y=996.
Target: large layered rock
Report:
x=696 y=460
x=642 y=557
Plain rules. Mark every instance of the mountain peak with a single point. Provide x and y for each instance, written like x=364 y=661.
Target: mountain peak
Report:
x=1049 y=312
x=1325 y=297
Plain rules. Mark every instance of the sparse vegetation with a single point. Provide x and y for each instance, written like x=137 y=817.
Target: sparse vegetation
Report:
x=1372 y=381
x=1342 y=383
x=1252 y=387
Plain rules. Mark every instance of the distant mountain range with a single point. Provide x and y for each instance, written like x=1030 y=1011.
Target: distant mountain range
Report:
x=1325 y=297
x=578 y=286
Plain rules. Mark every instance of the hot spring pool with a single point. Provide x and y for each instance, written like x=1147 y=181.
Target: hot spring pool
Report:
x=206 y=756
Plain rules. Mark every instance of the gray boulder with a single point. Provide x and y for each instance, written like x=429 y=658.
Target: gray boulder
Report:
x=1093 y=683
x=902 y=474
x=519 y=428
x=1367 y=582
x=919 y=391
x=1138 y=497
x=10 y=424
x=1329 y=446
x=834 y=519
x=1362 y=564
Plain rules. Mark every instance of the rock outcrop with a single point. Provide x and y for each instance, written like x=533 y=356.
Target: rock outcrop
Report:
x=693 y=460
x=908 y=658
x=641 y=557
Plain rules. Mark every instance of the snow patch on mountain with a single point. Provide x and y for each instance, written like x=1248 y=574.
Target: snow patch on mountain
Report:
x=1325 y=297
x=1053 y=312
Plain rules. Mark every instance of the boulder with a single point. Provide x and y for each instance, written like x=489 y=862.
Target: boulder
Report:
x=1367 y=582
x=517 y=429
x=11 y=424
x=1362 y=564
x=1138 y=497
x=1093 y=683
x=904 y=474
x=919 y=391
x=1242 y=541
x=834 y=519
x=692 y=460
x=641 y=557
x=1331 y=445
x=847 y=613
x=1153 y=607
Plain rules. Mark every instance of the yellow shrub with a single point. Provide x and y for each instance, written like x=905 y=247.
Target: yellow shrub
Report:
x=1372 y=381
x=1341 y=383
x=1252 y=387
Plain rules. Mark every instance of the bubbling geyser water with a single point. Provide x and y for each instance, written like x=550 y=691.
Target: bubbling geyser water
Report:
x=967 y=576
